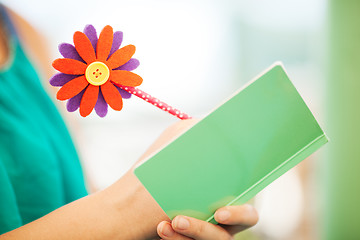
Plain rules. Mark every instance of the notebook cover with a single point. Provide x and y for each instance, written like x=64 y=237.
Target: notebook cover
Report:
x=253 y=138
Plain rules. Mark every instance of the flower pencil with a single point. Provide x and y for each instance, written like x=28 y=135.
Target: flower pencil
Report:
x=96 y=72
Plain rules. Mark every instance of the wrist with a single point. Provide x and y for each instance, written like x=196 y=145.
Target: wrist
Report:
x=136 y=213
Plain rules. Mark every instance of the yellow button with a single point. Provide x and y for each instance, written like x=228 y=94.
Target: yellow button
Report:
x=97 y=73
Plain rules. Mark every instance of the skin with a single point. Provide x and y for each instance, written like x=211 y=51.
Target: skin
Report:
x=231 y=219
x=125 y=210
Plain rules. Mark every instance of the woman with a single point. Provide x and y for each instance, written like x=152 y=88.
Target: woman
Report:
x=43 y=195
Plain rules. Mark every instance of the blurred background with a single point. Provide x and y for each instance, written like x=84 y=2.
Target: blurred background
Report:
x=194 y=54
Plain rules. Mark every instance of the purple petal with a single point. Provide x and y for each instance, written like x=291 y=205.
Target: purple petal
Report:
x=124 y=94
x=118 y=37
x=74 y=103
x=101 y=107
x=59 y=79
x=132 y=64
x=68 y=51
x=90 y=32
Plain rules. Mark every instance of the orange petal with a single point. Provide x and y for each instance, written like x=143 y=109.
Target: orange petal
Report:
x=112 y=96
x=121 y=56
x=125 y=78
x=89 y=100
x=104 y=43
x=69 y=66
x=83 y=47
x=72 y=88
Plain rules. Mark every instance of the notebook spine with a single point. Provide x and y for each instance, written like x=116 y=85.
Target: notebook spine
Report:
x=278 y=171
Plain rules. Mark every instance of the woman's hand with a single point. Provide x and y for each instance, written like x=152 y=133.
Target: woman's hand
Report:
x=231 y=219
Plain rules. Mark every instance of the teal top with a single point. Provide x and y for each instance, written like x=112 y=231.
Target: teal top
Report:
x=39 y=166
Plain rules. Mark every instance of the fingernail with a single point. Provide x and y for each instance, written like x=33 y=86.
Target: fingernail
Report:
x=167 y=230
x=249 y=208
x=222 y=215
x=182 y=223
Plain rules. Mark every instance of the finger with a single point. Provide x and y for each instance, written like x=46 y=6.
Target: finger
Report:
x=245 y=215
x=166 y=232
x=199 y=230
x=234 y=229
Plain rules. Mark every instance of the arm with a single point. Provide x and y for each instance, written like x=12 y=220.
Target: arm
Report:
x=125 y=210
x=122 y=211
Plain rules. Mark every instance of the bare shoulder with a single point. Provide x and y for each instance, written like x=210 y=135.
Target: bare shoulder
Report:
x=33 y=42
x=36 y=47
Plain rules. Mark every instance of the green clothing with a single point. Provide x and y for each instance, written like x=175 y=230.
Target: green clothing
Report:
x=39 y=166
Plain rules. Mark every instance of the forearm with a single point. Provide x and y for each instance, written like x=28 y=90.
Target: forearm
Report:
x=123 y=211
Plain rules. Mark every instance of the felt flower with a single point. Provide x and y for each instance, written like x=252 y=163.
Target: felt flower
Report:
x=91 y=68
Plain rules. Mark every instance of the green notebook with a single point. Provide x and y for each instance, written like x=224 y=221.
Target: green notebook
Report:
x=253 y=138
